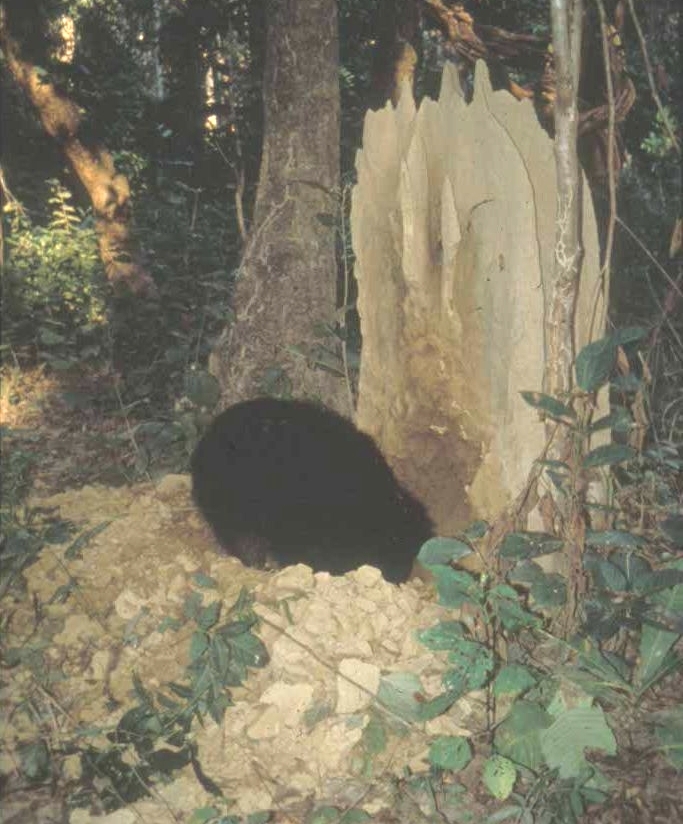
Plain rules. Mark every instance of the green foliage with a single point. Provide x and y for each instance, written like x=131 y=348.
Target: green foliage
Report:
x=153 y=738
x=24 y=530
x=551 y=716
x=53 y=301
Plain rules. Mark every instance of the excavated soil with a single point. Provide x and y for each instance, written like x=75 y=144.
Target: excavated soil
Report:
x=294 y=739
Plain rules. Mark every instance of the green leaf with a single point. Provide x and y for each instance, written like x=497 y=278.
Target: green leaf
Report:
x=618 y=420
x=34 y=761
x=550 y=591
x=208 y=616
x=613 y=537
x=374 y=736
x=200 y=579
x=629 y=334
x=454 y=586
x=672 y=527
x=499 y=775
x=518 y=735
x=513 y=616
x=551 y=406
x=442 y=551
x=477 y=529
x=656 y=643
x=398 y=692
x=571 y=733
x=529 y=545
x=650 y=583
x=203 y=814
x=472 y=662
x=438 y=705
x=250 y=650
x=605 y=574
x=198 y=645
x=608 y=455
x=513 y=679
x=450 y=752
x=526 y=572
x=594 y=364
x=443 y=636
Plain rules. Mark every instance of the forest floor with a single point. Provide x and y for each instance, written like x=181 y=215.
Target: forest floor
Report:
x=300 y=735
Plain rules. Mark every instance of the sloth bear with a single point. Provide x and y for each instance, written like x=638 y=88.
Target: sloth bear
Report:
x=286 y=482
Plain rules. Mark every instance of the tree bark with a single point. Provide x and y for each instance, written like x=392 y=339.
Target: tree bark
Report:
x=286 y=287
x=567 y=25
x=567 y=21
x=108 y=190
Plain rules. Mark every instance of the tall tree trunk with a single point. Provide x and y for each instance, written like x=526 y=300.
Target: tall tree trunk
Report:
x=108 y=191
x=286 y=288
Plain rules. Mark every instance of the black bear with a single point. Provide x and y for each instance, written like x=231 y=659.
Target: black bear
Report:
x=293 y=482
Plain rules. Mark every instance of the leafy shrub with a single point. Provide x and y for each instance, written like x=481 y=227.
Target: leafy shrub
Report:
x=551 y=699
x=53 y=291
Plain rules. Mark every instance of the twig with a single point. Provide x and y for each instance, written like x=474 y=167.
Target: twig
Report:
x=650 y=78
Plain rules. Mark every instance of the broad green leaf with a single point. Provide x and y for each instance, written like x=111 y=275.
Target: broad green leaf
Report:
x=518 y=735
x=564 y=742
x=499 y=776
x=477 y=529
x=618 y=420
x=628 y=334
x=513 y=615
x=454 y=586
x=399 y=692
x=438 y=705
x=203 y=580
x=655 y=646
x=526 y=572
x=652 y=582
x=613 y=537
x=513 y=679
x=471 y=664
x=608 y=455
x=208 y=616
x=594 y=364
x=450 y=752
x=442 y=551
x=529 y=544
x=606 y=575
x=442 y=636
x=549 y=592
x=250 y=650
x=551 y=406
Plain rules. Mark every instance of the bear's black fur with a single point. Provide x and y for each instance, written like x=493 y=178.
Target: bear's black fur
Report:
x=293 y=482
